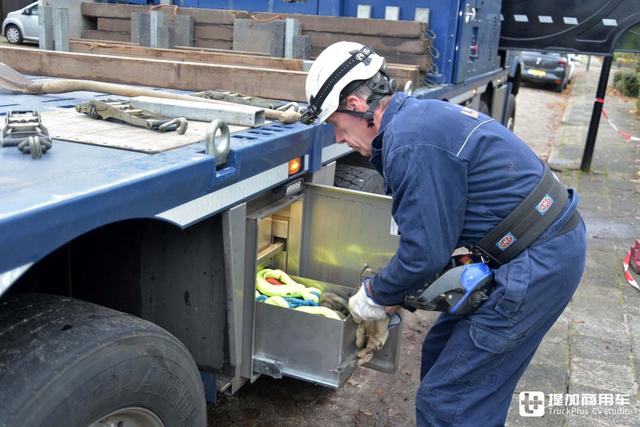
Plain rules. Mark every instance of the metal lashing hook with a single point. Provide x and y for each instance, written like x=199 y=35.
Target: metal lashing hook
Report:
x=469 y=13
x=219 y=149
x=180 y=124
x=285 y=107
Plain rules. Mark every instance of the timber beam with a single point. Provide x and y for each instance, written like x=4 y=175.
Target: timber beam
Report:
x=402 y=73
x=262 y=82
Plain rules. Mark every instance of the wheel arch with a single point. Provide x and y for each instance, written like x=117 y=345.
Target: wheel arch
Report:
x=148 y=268
x=12 y=22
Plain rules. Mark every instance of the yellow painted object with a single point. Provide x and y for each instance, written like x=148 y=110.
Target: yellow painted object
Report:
x=322 y=311
x=290 y=288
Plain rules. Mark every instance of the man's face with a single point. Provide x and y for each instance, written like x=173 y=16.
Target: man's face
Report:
x=352 y=131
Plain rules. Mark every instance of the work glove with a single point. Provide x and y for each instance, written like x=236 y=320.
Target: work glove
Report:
x=372 y=321
x=370 y=337
x=363 y=307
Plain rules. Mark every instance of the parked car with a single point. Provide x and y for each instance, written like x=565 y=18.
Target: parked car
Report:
x=547 y=67
x=22 y=25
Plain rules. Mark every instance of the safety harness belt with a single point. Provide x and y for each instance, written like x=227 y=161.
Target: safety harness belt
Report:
x=527 y=222
x=461 y=289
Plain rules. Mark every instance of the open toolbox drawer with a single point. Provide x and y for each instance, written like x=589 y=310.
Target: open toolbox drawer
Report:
x=324 y=237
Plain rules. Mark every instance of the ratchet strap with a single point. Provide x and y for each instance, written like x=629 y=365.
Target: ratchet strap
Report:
x=527 y=222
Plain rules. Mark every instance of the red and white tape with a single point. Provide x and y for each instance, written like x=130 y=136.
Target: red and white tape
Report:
x=627 y=274
x=626 y=135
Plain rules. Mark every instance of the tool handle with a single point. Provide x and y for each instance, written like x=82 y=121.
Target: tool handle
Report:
x=288 y=116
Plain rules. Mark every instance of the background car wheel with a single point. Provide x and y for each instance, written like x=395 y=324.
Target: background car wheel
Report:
x=13 y=34
x=65 y=362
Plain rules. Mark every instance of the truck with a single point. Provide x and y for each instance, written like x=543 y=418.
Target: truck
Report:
x=128 y=257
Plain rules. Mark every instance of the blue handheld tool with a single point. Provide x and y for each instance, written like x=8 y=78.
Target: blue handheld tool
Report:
x=460 y=290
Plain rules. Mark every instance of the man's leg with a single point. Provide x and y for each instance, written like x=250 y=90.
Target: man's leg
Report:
x=473 y=379
x=472 y=386
x=435 y=341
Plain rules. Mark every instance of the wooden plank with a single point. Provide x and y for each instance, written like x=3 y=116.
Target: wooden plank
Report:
x=347 y=25
x=184 y=48
x=423 y=62
x=400 y=72
x=123 y=11
x=235 y=52
x=329 y=24
x=386 y=44
x=213 y=32
x=192 y=55
x=213 y=16
x=106 y=10
x=214 y=44
x=403 y=73
x=267 y=83
x=114 y=24
x=106 y=35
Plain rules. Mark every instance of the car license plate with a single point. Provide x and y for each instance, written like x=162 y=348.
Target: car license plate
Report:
x=538 y=73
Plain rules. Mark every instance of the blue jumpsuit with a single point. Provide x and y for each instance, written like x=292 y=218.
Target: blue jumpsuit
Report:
x=453 y=175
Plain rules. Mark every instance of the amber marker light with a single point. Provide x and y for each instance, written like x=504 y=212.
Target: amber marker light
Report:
x=295 y=166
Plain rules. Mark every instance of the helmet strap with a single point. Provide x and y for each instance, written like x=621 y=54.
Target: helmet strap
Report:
x=384 y=87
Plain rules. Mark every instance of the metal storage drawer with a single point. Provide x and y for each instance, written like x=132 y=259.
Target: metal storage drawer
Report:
x=305 y=346
x=332 y=234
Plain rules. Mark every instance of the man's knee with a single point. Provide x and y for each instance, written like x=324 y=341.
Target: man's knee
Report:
x=434 y=407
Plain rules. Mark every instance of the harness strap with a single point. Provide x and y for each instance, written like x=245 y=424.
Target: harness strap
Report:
x=527 y=222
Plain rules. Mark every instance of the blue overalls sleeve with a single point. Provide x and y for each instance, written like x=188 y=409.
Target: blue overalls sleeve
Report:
x=429 y=187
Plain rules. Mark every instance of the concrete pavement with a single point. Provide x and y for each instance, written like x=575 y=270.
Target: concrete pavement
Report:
x=593 y=351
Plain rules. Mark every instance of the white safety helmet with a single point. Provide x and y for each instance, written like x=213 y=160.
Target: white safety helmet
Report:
x=336 y=67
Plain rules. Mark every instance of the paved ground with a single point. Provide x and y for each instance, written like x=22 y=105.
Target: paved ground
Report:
x=539 y=111
x=593 y=350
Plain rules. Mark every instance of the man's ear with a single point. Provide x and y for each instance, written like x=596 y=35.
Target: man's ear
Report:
x=356 y=104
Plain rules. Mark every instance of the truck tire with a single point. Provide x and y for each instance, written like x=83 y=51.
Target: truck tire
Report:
x=511 y=113
x=65 y=362
x=359 y=178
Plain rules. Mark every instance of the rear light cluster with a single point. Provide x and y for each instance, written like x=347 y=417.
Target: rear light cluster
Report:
x=562 y=61
x=295 y=165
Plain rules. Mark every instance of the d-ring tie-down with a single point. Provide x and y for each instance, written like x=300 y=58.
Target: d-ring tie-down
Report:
x=219 y=149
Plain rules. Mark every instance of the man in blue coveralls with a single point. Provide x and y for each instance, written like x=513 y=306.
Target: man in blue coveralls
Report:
x=454 y=174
